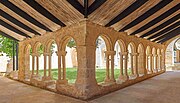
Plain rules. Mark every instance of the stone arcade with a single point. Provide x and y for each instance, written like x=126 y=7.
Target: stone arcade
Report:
x=148 y=55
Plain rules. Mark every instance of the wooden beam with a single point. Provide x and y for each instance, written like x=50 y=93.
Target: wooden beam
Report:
x=161 y=26
x=96 y=4
x=11 y=33
x=158 y=19
x=8 y=36
x=77 y=6
x=44 y=12
x=126 y=12
x=170 y=35
x=23 y=14
x=165 y=30
x=13 y=29
x=86 y=8
x=149 y=15
x=21 y=19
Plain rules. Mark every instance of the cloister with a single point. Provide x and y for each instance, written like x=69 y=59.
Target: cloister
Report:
x=139 y=58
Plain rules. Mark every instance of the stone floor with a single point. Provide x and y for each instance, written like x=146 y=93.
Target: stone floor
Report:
x=164 y=88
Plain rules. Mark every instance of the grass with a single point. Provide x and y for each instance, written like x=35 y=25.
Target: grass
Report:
x=71 y=74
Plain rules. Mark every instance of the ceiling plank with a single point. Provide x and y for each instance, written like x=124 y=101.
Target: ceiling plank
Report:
x=44 y=12
x=135 y=14
x=165 y=30
x=77 y=6
x=13 y=28
x=11 y=33
x=24 y=21
x=17 y=22
x=62 y=10
x=36 y=15
x=154 y=12
x=162 y=26
x=23 y=14
x=157 y=20
x=8 y=36
x=126 y=12
x=108 y=10
x=96 y=4
x=16 y=26
x=170 y=35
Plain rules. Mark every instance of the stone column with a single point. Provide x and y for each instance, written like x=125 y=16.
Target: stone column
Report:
x=107 y=78
x=160 y=61
x=147 y=63
x=37 y=64
x=64 y=64
x=49 y=70
x=132 y=67
x=45 y=64
x=151 y=60
x=136 y=63
x=152 y=63
x=62 y=68
x=59 y=66
x=33 y=62
x=125 y=65
x=112 y=53
x=121 y=64
x=157 y=62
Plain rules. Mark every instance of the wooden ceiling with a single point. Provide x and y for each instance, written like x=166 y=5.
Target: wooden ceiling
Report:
x=155 y=20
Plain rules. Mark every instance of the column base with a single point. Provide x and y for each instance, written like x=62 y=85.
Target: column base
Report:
x=45 y=78
x=107 y=80
x=65 y=81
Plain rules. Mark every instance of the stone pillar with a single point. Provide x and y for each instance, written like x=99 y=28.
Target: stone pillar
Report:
x=62 y=68
x=112 y=53
x=45 y=64
x=153 y=63
x=49 y=70
x=64 y=64
x=110 y=59
x=59 y=66
x=33 y=62
x=160 y=62
x=157 y=62
x=136 y=63
x=151 y=60
x=132 y=67
x=37 y=64
x=125 y=65
x=121 y=64
x=107 y=78
x=147 y=63
x=144 y=62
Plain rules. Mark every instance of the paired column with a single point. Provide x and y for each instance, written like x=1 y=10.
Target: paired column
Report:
x=135 y=55
x=110 y=61
x=35 y=56
x=62 y=67
x=49 y=77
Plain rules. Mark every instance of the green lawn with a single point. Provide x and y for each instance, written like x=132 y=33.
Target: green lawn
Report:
x=71 y=74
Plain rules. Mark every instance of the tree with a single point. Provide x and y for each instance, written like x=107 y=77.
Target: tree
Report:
x=6 y=45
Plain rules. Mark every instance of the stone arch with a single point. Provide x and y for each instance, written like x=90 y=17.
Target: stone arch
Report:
x=107 y=41
x=131 y=60
x=36 y=47
x=64 y=41
x=148 y=50
x=132 y=46
x=62 y=55
x=48 y=45
x=141 y=55
x=121 y=45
